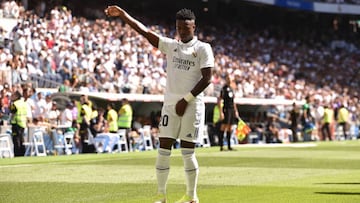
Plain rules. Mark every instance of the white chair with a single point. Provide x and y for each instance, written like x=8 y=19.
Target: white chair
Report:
x=147 y=139
x=6 y=146
x=252 y=138
x=68 y=142
x=204 y=137
x=122 y=143
x=38 y=145
x=339 y=133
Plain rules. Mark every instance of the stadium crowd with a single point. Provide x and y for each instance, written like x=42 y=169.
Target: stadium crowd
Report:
x=62 y=51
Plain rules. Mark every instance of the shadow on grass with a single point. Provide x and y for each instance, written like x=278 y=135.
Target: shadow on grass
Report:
x=338 y=193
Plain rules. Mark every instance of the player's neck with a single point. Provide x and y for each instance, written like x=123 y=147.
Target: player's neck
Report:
x=188 y=39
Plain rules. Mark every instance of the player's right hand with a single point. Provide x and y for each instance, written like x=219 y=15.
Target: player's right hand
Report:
x=113 y=11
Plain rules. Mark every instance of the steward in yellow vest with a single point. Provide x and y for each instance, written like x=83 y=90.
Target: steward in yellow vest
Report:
x=327 y=120
x=342 y=119
x=125 y=115
x=125 y=118
x=112 y=118
x=85 y=113
x=18 y=111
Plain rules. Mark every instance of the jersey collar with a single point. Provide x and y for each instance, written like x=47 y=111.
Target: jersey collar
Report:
x=189 y=43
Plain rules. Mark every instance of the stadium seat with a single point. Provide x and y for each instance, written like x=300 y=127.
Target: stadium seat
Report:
x=6 y=146
x=339 y=134
x=122 y=143
x=35 y=145
x=204 y=138
x=68 y=142
x=147 y=139
x=252 y=138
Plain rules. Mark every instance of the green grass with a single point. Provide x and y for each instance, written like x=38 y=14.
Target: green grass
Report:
x=328 y=172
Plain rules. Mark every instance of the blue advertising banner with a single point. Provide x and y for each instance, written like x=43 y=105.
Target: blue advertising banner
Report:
x=297 y=4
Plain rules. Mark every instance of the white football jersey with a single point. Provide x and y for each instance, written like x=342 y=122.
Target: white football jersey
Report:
x=184 y=64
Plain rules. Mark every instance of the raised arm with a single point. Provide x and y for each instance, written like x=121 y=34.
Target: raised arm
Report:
x=115 y=11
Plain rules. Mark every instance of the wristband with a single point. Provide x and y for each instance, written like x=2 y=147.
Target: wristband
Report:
x=189 y=97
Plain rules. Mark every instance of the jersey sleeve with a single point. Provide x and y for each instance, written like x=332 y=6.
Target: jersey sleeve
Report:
x=165 y=44
x=207 y=56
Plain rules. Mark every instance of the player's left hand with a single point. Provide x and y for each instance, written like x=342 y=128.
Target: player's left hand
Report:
x=181 y=107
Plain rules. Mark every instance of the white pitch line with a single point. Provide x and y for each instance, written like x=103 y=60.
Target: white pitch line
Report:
x=297 y=145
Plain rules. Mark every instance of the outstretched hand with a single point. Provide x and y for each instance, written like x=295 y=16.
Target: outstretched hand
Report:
x=113 y=11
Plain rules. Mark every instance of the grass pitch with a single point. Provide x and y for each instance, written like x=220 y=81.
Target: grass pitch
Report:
x=322 y=172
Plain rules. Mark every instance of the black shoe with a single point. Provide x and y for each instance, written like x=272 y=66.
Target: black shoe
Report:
x=221 y=149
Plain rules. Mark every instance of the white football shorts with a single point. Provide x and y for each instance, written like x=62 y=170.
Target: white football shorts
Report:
x=188 y=127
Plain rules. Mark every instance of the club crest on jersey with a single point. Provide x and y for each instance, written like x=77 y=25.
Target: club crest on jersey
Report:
x=194 y=54
x=175 y=50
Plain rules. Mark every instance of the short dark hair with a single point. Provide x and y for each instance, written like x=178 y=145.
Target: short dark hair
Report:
x=17 y=95
x=185 y=14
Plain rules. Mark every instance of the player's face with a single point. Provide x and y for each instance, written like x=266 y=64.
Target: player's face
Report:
x=185 y=29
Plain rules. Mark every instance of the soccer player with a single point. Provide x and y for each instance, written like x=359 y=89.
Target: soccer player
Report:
x=189 y=64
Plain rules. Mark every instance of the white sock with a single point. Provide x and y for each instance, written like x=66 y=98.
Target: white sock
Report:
x=191 y=167
x=162 y=169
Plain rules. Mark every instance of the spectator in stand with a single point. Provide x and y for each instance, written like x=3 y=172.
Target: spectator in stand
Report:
x=29 y=103
x=54 y=115
x=98 y=123
x=40 y=106
x=272 y=130
x=66 y=118
x=4 y=68
x=65 y=87
x=5 y=102
x=48 y=107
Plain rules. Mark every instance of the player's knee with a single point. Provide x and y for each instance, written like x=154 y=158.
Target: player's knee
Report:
x=190 y=162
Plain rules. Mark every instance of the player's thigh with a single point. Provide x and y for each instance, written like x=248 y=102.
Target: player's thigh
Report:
x=192 y=122
x=169 y=123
